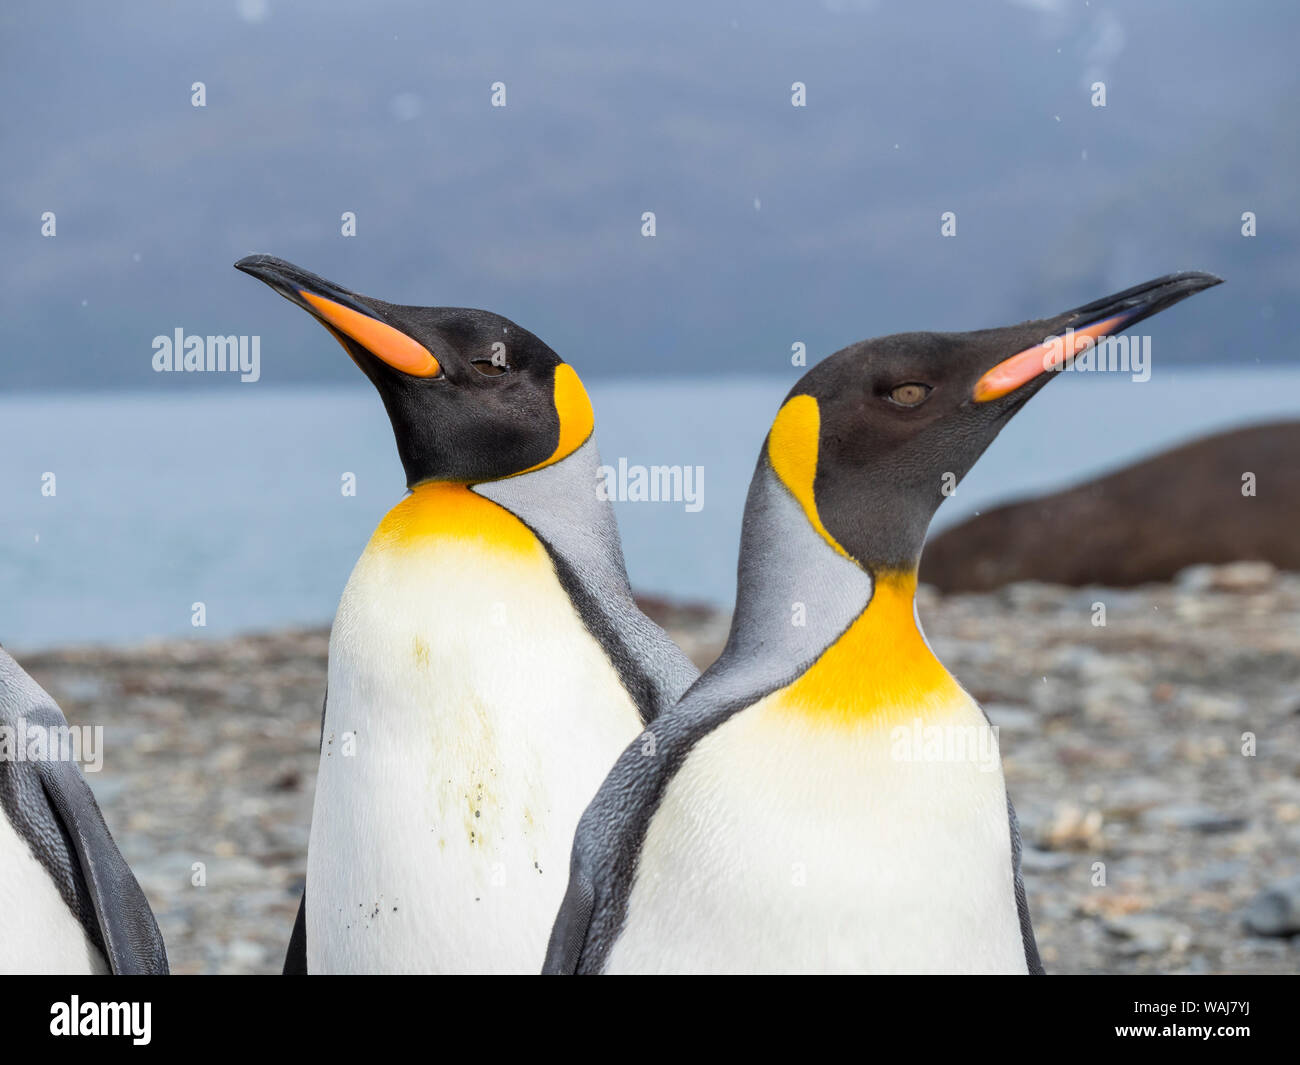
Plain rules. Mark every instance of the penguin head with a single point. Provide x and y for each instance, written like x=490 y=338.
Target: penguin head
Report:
x=472 y=397
x=872 y=439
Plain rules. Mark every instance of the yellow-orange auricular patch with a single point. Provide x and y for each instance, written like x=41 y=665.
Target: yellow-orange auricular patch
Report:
x=448 y=511
x=573 y=408
x=792 y=450
x=880 y=671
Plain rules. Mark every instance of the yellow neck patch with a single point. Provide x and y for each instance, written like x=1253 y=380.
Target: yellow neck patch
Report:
x=573 y=408
x=443 y=511
x=792 y=447
x=880 y=671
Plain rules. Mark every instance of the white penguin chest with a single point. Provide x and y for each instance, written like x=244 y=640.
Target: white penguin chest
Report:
x=470 y=718
x=38 y=933
x=788 y=846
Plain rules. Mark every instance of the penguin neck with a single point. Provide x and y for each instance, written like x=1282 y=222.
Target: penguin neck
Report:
x=881 y=669
x=439 y=511
x=839 y=638
x=558 y=502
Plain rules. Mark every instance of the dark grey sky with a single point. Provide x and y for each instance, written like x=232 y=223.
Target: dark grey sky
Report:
x=775 y=224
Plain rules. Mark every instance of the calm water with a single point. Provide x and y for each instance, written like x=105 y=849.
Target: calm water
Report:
x=233 y=499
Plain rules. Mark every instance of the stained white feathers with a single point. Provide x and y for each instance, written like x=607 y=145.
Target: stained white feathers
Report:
x=470 y=718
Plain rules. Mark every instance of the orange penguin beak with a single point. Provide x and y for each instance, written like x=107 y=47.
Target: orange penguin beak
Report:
x=343 y=313
x=1096 y=321
x=380 y=339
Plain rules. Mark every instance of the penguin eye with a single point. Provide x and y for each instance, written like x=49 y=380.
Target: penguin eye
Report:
x=910 y=394
x=489 y=367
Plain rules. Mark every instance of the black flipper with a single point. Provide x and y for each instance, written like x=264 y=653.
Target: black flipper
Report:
x=51 y=806
x=569 y=934
x=1032 y=960
x=295 y=960
x=132 y=943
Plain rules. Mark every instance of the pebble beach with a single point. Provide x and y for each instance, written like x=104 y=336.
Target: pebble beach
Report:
x=1154 y=761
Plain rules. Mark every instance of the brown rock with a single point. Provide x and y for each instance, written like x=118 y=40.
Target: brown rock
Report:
x=1143 y=523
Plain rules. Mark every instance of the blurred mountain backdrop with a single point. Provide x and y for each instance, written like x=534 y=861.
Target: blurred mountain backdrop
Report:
x=775 y=224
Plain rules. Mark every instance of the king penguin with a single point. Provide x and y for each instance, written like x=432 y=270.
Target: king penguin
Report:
x=827 y=797
x=68 y=901
x=487 y=662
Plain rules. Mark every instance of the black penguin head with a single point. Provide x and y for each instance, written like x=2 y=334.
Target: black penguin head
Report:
x=471 y=396
x=872 y=439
